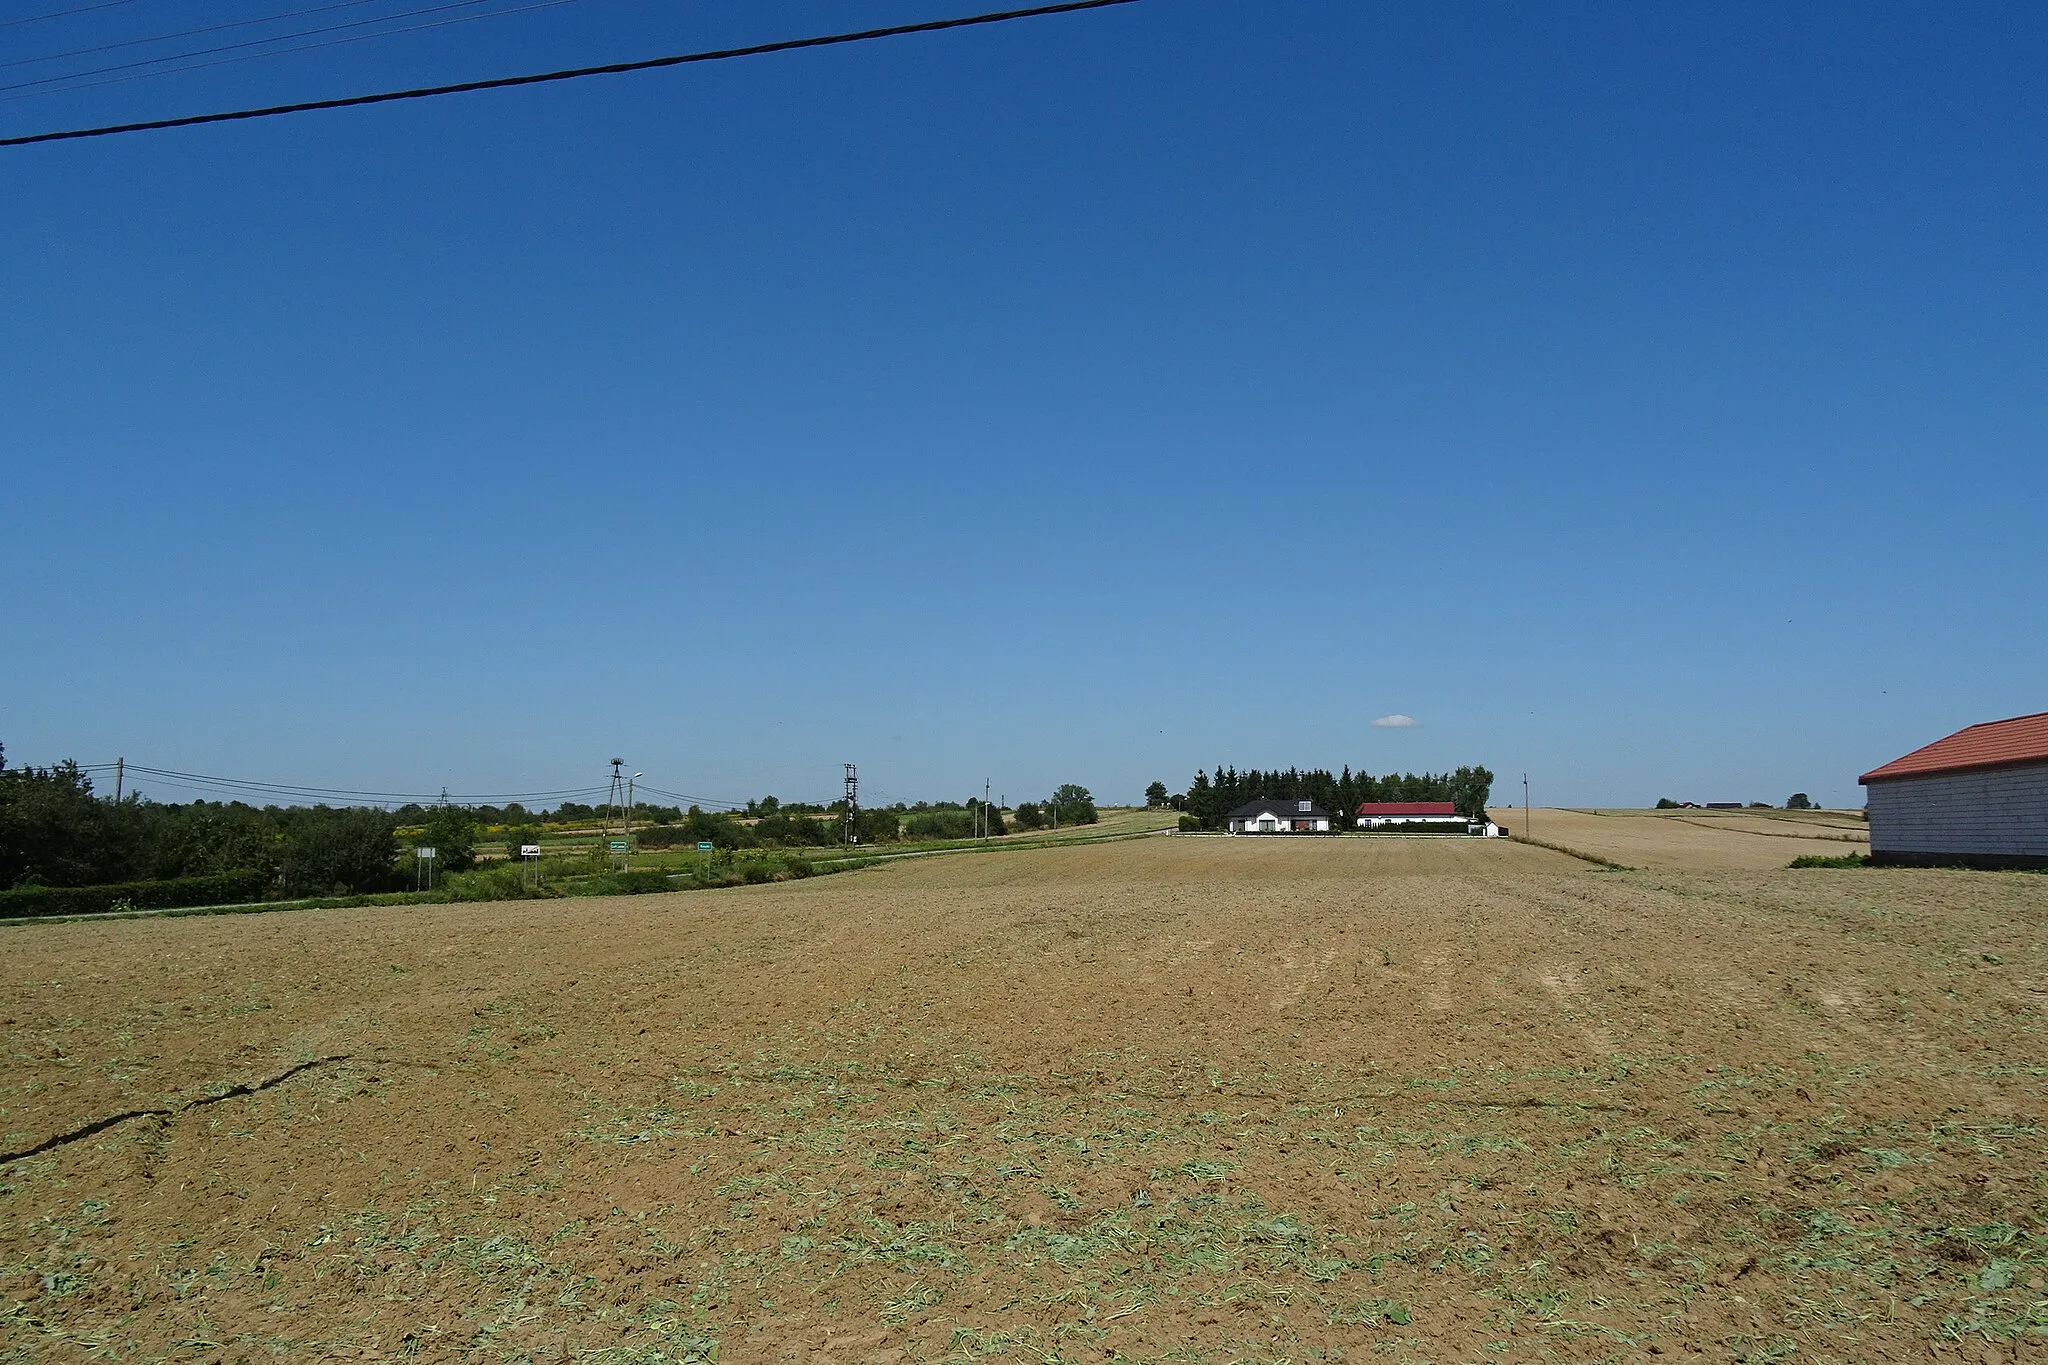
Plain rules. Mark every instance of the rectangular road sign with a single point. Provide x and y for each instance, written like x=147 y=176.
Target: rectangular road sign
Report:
x=618 y=845
x=529 y=850
x=423 y=851
x=703 y=848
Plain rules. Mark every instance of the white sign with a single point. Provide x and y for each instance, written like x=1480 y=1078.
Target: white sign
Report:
x=529 y=850
x=423 y=852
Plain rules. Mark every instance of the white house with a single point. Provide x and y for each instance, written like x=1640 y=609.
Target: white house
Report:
x=1280 y=817
x=1976 y=799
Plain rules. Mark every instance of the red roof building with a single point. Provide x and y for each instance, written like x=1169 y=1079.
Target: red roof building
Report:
x=1978 y=798
x=2023 y=739
x=1406 y=810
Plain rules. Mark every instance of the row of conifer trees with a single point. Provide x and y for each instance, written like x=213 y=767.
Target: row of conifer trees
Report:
x=1211 y=797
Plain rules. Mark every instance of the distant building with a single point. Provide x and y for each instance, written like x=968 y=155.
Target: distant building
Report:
x=1279 y=817
x=1373 y=814
x=1976 y=799
x=1724 y=805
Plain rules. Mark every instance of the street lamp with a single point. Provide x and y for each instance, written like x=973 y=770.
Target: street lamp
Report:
x=629 y=811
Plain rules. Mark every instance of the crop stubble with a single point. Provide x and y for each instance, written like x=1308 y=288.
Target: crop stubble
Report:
x=1176 y=1099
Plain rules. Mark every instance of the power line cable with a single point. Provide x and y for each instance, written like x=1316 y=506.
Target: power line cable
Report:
x=189 y=33
x=305 y=791
x=237 y=47
x=687 y=799
x=574 y=73
x=281 y=51
x=62 y=13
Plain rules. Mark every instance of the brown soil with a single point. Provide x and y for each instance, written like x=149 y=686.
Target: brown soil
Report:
x=1188 y=1099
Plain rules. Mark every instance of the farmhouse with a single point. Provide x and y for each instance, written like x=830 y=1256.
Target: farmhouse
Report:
x=1280 y=817
x=1376 y=814
x=1976 y=799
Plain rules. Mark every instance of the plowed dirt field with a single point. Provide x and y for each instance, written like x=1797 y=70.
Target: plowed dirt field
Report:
x=1174 y=1099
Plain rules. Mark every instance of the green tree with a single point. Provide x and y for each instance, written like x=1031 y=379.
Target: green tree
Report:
x=451 y=832
x=1073 y=805
x=346 y=850
x=1029 y=815
x=55 y=832
x=877 y=827
x=1155 y=795
x=1470 y=787
x=1666 y=803
x=1800 y=801
x=519 y=835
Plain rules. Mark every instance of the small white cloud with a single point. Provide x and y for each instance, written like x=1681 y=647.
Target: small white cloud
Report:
x=1397 y=722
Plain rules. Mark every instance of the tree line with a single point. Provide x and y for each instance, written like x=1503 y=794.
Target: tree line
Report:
x=55 y=831
x=1211 y=797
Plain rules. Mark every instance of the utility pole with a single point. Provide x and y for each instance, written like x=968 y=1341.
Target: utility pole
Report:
x=120 y=771
x=987 y=827
x=853 y=804
x=1525 y=805
x=615 y=799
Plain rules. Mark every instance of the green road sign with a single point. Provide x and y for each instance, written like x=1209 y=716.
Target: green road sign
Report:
x=704 y=848
x=618 y=845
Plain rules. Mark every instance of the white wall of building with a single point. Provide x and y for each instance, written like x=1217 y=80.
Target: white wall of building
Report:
x=2001 y=811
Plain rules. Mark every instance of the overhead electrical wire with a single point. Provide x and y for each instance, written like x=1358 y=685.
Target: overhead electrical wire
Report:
x=296 y=791
x=188 y=33
x=570 y=74
x=687 y=800
x=62 y=13
x=252 y=42
x=286 y=51
x=300 y=792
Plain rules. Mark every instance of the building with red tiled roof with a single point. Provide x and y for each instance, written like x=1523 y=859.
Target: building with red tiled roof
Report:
x=1978 y=798
x=1419 y=816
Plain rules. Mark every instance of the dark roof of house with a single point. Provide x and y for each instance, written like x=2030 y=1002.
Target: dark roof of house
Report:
x=1286 y=807
x=2023 y=739
x=1385 y=808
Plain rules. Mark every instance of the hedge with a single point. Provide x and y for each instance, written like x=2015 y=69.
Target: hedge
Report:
x=224 y=888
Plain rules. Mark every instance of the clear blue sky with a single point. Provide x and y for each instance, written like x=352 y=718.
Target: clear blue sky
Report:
x=1648 y=397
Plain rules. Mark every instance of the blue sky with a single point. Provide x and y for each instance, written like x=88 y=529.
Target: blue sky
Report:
x=1648 y=397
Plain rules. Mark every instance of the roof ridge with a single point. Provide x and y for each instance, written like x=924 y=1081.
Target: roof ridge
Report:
x=2031 y=715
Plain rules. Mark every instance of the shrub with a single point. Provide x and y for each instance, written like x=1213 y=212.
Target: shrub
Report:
x=222 y=888
x=504 y=882
x=1666 y=803
x=939 y=824
x=1189 y=824
x=638 y=883
x=1846 y=860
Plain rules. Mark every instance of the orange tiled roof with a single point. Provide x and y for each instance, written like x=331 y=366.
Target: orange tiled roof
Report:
x=2023 y=739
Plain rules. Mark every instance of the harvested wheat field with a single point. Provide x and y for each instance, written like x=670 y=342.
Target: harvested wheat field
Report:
x=1747 y=840
x=1173 y=1099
